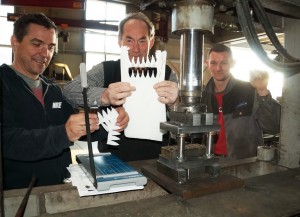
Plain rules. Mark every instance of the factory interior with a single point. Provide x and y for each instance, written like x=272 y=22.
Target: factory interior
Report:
x=186 y=29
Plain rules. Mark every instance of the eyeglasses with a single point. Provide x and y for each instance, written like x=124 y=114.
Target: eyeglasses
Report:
x=130 y=42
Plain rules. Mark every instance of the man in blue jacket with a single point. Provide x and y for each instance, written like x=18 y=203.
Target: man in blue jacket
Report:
x=38 y=124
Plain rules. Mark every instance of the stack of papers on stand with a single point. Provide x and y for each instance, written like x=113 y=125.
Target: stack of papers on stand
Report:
x=112 y=174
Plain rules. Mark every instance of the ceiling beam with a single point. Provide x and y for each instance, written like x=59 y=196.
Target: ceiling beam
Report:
x=283 y=7
x=86 y=24
x=72 y=4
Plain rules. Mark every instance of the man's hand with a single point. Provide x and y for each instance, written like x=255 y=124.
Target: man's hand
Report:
x=123 y=118
x=116 y=94
x=167 y=92
x=259 y=80
x=76 y=128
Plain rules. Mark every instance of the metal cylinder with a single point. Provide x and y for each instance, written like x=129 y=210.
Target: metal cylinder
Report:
x=193 y=14
x=191 y=61
x=210 y=140
x=181 y=147
x=191 y=19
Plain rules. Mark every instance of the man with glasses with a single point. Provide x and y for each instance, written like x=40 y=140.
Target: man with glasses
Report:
x=106 y=89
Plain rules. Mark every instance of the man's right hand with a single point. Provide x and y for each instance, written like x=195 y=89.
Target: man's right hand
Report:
x=76 y=128
x=259 y=80
x=116 y=93
x=123 y=118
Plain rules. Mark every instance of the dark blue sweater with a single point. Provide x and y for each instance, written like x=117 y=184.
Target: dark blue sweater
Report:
x=34 y=137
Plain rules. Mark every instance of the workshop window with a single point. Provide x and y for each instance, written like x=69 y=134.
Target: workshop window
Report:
x=101 y=45
x=245 y=59
x=6 y=32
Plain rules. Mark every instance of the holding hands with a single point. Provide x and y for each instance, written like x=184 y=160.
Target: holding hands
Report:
x=167 y=92
x=116 y=93
x=123 y=118
x=75 y=126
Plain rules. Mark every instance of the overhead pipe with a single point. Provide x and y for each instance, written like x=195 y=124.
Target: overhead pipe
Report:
x=244 y=15
x=263 y=18
x=85 y=24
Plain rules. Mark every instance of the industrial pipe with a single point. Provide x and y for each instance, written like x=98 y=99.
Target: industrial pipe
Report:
x=245 y=19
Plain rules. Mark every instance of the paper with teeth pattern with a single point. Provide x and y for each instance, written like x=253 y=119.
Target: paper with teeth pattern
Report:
x=108 y=121
x=144 y=110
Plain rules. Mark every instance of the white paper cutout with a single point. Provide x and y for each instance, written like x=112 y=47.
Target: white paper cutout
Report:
x=144 y=110
x=108 y=120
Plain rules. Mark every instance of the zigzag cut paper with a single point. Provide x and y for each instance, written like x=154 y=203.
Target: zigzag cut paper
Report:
x=144 y=110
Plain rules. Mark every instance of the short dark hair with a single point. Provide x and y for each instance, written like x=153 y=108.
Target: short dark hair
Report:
x=218 y=48
x=137 y=16
x=22 y=23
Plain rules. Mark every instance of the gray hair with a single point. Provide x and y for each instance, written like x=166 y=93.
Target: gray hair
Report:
x=137 y=16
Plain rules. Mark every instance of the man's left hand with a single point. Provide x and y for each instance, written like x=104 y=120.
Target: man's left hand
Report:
x=123 y=118
x=167 y=92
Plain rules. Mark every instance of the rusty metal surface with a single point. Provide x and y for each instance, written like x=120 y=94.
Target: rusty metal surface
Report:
x=196 y=187
x=248 y=168
x=272 y=195
x=191 y=150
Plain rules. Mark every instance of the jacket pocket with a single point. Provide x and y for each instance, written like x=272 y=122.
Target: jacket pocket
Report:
x=241 y=110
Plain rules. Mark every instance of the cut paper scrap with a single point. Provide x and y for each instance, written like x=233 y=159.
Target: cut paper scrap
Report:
x=144 y=110
x=108 y=120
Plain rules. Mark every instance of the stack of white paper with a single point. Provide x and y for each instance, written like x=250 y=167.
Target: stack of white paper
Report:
x=85 y=186
x=112 y=175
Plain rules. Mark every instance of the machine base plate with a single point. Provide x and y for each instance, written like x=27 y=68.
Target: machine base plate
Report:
x=195 y=187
